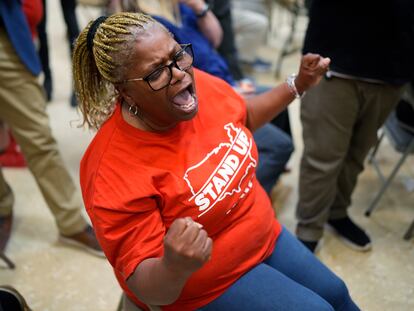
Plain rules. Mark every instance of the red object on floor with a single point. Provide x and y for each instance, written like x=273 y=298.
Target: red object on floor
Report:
x=12 y=156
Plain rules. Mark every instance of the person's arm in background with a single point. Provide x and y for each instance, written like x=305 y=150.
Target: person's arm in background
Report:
x=208 y=24
x=264 y=107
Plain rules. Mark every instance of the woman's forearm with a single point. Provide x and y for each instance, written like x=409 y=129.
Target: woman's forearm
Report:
x=264 y=107
x=155 y=284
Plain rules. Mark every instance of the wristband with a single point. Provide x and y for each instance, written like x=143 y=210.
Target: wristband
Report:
x=204 y=11
x=290 y=81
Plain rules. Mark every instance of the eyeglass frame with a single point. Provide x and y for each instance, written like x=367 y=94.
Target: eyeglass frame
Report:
x=169 y=66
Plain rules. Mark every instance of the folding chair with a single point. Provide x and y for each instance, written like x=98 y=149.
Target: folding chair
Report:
x=403 y=141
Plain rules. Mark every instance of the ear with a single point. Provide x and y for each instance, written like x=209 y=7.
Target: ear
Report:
x=123 y=93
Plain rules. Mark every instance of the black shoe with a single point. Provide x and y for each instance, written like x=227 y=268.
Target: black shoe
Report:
x=311 y=245
x=350 y=234
x=85 y=239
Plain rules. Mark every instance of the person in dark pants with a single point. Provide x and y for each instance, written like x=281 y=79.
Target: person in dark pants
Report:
x=227 y=49
x=69 y=15
x=371 y=61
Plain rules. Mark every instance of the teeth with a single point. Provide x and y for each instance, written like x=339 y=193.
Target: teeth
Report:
x=190 y=103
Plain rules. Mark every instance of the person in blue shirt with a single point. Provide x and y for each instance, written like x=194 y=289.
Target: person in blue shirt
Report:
x=207 y=58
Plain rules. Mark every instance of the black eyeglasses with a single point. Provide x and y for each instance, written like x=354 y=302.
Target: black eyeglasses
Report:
x=161 y=77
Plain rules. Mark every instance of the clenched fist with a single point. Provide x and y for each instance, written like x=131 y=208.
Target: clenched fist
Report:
x=187 y=246
x=312 y=68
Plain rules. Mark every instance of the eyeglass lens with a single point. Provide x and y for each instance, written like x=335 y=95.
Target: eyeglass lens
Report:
x=162 y=77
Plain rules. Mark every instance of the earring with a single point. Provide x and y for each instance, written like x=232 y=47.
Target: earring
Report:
x=133 y=110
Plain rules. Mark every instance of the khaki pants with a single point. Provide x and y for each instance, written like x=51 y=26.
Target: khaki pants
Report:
x=340 y=120
x=23 y=108
x=250 y=29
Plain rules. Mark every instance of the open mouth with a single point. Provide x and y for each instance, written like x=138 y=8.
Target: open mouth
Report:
x=186 y=99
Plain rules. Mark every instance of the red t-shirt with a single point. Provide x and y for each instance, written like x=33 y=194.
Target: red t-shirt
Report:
x=136 y=183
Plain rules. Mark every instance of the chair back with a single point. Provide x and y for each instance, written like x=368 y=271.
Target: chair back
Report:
x=405 y=109
x=399 y=136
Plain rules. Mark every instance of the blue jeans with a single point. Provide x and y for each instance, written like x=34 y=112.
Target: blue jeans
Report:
x=275 y=148
x=291 y=279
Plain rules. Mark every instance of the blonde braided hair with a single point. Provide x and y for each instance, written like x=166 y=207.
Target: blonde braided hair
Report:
x=95 y=72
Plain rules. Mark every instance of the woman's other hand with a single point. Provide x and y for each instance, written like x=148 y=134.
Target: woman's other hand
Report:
x=187 y=246
x=312 y=68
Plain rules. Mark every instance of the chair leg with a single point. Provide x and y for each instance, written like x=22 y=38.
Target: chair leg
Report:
x=8 y=262
x=373 y=161
x=409 y=232
x=374 y=151
x=388 y=181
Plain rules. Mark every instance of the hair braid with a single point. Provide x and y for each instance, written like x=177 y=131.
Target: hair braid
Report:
x=96 y=72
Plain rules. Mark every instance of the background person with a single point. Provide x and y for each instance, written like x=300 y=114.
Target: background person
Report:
x=250 y=26
x=371 y=61
x=71 y=22
x=23 y=108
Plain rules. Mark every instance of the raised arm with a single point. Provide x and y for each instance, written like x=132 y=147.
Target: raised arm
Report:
x=264 y=107
x=159 y=281
x=208 y=23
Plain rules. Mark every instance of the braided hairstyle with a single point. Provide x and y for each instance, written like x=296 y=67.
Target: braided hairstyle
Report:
x=101 y=61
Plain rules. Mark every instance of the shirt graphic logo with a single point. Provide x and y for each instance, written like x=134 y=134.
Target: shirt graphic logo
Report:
x=235 y=165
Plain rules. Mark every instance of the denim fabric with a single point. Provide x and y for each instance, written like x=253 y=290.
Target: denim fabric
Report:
x=275 y=148
x=291 y=279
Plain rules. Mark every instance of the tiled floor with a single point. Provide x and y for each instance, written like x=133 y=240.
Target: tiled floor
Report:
x=57 y=278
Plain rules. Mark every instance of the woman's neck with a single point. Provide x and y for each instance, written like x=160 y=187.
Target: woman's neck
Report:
x=140 y=122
